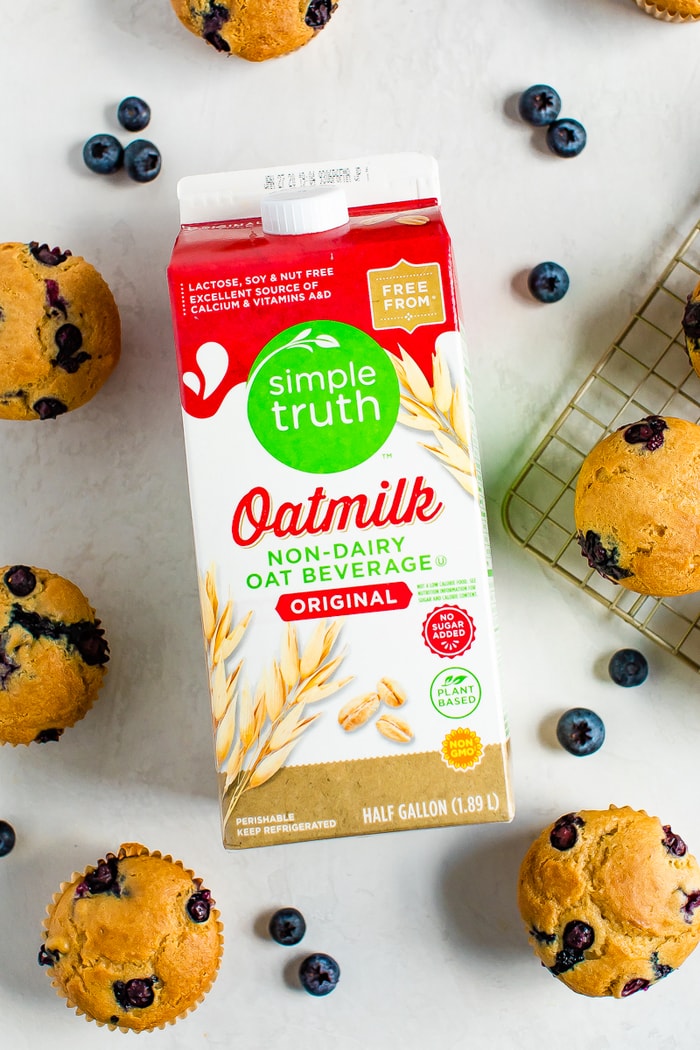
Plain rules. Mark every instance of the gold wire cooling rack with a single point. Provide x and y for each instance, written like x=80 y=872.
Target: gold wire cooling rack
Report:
x=646 y=371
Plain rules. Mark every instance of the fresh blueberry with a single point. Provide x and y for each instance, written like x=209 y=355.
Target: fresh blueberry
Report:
x=566 y=137
x=580 y=731
x=539 y=105
x=287 y=926
x=133 y=113
x=7 y=838
x=628 y=667
x=319 y=974
x=548 y=282
x=103 y=154
x=142 y=160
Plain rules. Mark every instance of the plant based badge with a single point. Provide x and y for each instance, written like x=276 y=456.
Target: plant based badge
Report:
x=322 y=397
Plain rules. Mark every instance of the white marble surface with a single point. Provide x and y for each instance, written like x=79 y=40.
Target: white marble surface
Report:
x=424 y=924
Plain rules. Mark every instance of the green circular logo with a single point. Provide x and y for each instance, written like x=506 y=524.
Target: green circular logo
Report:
x=322 y=397
x=455 y=692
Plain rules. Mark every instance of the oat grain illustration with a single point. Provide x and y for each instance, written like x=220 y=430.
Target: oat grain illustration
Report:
x=438 y=409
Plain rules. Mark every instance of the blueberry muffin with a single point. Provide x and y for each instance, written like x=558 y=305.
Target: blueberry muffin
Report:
x=672 y=10
x=610 y=899
x=691 y=328
x=637 y=506
x=60 y=333
x=255 y=29
x=134 y=942
x=52 y=655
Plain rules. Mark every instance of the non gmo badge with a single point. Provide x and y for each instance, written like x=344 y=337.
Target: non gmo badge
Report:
x=448 y=630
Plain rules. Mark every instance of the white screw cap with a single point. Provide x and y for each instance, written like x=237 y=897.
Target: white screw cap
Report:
x=303 y=211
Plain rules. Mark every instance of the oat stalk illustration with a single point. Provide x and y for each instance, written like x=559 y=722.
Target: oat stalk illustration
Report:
x=258 y=728
x=438 y=409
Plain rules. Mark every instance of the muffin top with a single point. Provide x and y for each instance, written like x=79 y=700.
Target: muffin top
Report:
x=133 y=943
x=258 y=29
x=610 y=899
x=637 y=506
x=53 y=654
x=60 y=336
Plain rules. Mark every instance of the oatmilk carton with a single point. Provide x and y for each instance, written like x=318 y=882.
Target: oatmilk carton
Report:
x=339 y=522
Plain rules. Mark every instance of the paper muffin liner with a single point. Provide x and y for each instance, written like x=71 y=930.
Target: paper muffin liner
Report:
x=664 y=14
x=135 y=849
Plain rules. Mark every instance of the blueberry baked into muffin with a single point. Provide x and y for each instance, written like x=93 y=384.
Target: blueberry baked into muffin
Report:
x=691 y=328
x=134 y=942
x=637 y=506
x=611 y=900
x=53 y=655
x=255 y=29
x=60 y=332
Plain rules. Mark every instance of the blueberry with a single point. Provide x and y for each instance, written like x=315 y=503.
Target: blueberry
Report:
x=600 y=558
x=102 y=879
x=133 y=113
x=212 y=22
x=46 y=736
x=565 y=960
x=648 y=432
x=578 y=935
x=319 y=974
x=7 y=838
x=548 y=282
x=48 y=256
x=134 y=994
x=692 y=903
x=637 y=984
x=672 y=842
x=539 y=105
x=103 y=154
x=46 y=957
x=287 y=926
x=580 y=731
x=319 y=12
x=564 y=833
x=68 y=339
x=691 y=319
x=566 y=137
x=49 y=407
x=20 y=580
x=628 y=667
x=199 y=906
x=142 y=160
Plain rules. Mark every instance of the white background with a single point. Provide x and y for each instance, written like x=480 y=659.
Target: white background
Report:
x=423 y=924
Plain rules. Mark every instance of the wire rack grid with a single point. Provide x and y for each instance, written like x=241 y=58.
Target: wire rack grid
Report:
x=646 y=371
